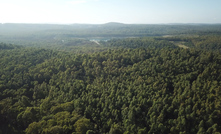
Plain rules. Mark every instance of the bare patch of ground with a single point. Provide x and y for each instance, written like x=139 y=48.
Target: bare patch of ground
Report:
x=179 y=44
x=182 y=46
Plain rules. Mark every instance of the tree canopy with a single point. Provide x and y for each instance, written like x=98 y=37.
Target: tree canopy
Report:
x=139 y=85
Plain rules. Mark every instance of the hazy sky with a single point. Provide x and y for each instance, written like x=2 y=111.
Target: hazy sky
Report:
x=103 y=11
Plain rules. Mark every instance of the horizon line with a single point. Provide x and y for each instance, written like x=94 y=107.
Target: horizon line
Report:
x=120 y=23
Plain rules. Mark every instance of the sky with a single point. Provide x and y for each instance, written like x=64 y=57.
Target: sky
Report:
x=104 y=11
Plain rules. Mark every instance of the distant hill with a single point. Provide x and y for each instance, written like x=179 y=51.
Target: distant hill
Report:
x=114 y=24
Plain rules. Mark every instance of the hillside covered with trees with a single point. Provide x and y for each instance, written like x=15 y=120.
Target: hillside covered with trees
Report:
x=141 y=85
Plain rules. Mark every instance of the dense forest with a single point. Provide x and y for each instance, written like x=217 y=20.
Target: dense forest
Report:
x=117 y=86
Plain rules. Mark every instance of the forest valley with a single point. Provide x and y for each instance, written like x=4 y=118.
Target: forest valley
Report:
x=136 y=82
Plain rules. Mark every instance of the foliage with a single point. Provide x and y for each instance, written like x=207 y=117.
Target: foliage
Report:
x=133 y=87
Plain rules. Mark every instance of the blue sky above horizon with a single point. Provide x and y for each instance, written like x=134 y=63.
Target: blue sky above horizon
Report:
x=104 y=11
